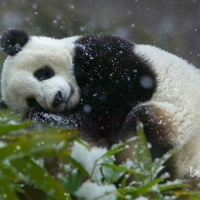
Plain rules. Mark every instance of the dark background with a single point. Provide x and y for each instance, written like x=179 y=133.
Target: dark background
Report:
x=171 y=25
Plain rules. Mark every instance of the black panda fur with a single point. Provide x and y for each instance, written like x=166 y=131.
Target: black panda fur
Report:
x=108 y=73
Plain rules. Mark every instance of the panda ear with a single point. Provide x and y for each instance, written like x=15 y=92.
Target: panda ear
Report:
x=13 y=40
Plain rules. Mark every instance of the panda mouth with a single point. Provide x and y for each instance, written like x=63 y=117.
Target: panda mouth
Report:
x=32 y=103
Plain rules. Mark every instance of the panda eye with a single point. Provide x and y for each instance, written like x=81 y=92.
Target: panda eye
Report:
x=44 y=73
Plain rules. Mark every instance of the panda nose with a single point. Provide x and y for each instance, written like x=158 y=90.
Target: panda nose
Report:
x=58 y=99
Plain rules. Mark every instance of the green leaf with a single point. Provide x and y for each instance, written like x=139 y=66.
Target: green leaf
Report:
x=111 y=175
x=135 y=192
x=142 y=153
x=7 y=117
x=117 y=149
x=36 y=143
x=7 y=172
x=73 y=180
x=10 y=122
x=159 y=162
x=147 y=187
x=78 y=165
x=83 y=143
x=171 y=186
x=124 y=169
x=40 y=178
x=7 y=190
x=7 y=128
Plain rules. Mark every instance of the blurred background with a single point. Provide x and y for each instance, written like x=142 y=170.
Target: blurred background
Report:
x=169 y=24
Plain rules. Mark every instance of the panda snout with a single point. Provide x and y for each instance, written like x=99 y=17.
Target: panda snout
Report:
x=58 y=99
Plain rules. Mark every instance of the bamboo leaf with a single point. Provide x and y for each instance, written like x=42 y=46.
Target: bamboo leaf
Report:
x=159 y=162
x=111 y=174
x=40 y=178
x=115 y=150
x=78 y=165
x=142 y=153
x=35 y=143
x=7 y=190
x=73 y=181
x=7 y=128
x=141 y=190
x=147 y=187
x=124 y=169
x=7 y=172
x=171 y=186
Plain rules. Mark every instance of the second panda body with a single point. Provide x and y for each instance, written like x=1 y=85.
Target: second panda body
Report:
x=107 y=82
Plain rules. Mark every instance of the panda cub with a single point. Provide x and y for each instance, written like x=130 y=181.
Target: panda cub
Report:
x=104 y=82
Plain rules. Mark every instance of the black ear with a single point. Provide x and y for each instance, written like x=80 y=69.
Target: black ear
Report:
x=13 y=40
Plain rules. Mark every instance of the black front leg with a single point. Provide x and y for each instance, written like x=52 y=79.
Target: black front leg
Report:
x=68 y=121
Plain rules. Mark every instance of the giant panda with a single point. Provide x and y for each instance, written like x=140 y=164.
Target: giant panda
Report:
x=104 y=83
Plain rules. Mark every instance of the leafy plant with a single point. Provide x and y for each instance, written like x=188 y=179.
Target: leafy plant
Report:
x=17 y=152
x=113 y=182
x=91 y=172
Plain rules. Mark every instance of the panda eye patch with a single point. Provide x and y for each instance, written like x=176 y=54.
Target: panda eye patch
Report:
x=44 y=73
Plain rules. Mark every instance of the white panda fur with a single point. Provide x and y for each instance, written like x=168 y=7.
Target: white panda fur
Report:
x=171 y=88
x=178 y=92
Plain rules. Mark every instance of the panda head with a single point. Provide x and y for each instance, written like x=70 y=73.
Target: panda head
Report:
x=38 y=73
